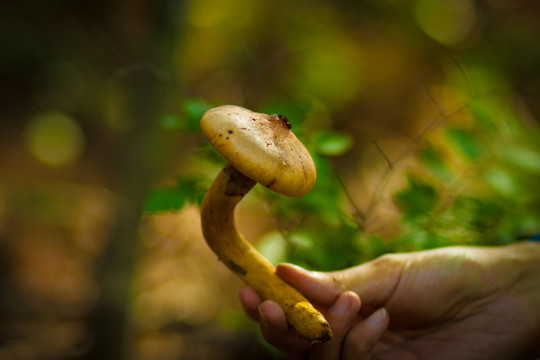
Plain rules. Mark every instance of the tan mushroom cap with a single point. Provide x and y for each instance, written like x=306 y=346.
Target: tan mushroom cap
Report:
x=262 y=147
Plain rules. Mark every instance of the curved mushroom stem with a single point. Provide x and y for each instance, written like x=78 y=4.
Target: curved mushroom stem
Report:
x=219 y=229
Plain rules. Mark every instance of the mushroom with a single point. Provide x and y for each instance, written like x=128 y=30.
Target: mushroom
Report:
x=260 y=148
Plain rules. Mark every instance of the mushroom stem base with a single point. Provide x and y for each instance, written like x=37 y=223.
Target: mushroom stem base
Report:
x=219 y=230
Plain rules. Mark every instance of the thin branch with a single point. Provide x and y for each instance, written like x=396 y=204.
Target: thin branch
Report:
x=383 y=154
x=358 y=214
x=431 y=99
x=387 y=173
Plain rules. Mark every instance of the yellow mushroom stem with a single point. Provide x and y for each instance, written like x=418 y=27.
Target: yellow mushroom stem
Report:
x=219 y=229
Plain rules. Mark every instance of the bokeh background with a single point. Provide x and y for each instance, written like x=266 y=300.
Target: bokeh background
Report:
x=422 y=117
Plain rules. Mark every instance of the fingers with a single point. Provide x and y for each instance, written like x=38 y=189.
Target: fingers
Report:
x=349 y=341
x=361 y=338
x=318 y=287
x=276 y=331
x=250 y=301
x=341 y=316
x=327 y=289
x=273 y=323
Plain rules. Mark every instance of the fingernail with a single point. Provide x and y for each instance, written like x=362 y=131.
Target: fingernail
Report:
x=341 y=306
x=377 y=317
x=263 y=319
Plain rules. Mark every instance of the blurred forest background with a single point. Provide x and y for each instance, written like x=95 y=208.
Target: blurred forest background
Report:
x=422 y=117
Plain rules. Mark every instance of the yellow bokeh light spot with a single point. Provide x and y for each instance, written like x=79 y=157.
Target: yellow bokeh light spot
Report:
x=333 y=70
x=448 y=22
x=208 y=13
x=54 y=138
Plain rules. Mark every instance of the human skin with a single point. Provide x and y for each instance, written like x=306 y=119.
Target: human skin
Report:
x=449 y=303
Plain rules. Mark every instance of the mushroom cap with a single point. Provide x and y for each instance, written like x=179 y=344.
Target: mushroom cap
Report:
x=262 y=147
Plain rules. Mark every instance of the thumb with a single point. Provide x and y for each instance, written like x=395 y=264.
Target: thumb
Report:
x=322 y=288
x=374 y=281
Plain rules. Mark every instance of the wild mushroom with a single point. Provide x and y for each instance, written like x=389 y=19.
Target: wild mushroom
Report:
x=261 y=149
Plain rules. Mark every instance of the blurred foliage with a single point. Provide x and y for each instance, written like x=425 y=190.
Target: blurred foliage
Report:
x=474 y=183
x=174 y=198
x=421 y=116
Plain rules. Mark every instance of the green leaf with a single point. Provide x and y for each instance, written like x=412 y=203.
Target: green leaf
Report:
x=324 y=199
x=174 y=198
x=522 y=157
x=195 y=108
x=192 y=112
x=435 y=164
x=373 y=246
x=332 y=143
x=417 y=200
x=320 y=206
x=483 y=116
x=501 y=181
x=301 y=240
x=467 y=142
x=334 y=247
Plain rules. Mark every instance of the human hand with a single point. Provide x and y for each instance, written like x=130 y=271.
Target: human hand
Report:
x=452 y=303
x=341 y=311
